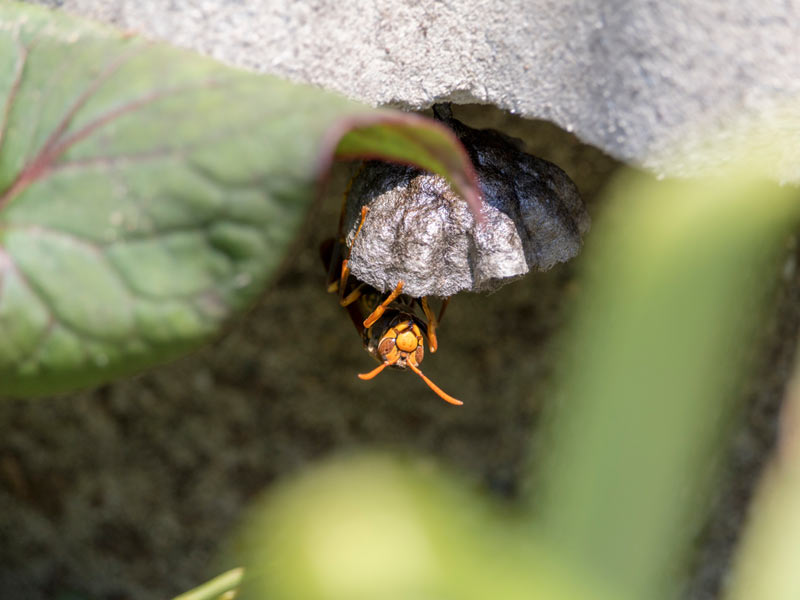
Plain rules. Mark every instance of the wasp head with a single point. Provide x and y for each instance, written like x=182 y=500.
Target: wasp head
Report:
x=400 y=344
x=397 y=341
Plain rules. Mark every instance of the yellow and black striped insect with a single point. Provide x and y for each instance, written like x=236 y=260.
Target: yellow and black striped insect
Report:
x=388 y=322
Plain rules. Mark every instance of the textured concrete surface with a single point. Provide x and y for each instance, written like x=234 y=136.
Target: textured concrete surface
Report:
x=648 y=82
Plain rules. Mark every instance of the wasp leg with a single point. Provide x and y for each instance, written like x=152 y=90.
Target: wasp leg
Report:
x=346 y=194
x=445 y=302
x=352 y=296
x=345 y=268
x=381 y=308
x=333 y=278
x=432 y=324
x=331 y=250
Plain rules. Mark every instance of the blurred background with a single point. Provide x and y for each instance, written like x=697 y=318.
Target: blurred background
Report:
x=130 y=490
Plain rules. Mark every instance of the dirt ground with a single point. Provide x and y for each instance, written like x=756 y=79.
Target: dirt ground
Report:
x=127 y=491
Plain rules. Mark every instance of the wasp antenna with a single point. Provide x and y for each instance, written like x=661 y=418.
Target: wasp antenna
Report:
x=373 y=373
x=433 y=386
x=376 y=370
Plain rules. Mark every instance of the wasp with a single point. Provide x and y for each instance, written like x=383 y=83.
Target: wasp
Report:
x=388 y=322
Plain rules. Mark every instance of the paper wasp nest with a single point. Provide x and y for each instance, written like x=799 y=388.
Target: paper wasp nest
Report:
x=418 y=230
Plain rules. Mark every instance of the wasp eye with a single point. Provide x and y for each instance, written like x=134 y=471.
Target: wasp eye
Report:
x=386 y=347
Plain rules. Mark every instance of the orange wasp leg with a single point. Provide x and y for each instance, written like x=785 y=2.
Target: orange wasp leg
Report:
x=352 y=296
x=445 y=302
x=381 y=308
x=433 y=323
x=345 y=268
x=345 y=196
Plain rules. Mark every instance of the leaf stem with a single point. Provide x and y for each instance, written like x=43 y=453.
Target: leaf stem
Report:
x=224 y=585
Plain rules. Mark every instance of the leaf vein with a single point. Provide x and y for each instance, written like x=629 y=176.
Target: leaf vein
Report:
x=45 y=155
x=22 y=62
x=99 y=248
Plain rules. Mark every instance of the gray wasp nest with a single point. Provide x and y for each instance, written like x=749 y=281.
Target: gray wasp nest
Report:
x=421 y=232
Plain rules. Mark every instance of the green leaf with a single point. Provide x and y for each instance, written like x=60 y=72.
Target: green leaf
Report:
x=381 y=526
x=147 y=194
x=765 y=565
x=675 y=284
x=672 y=289
x=220 y=588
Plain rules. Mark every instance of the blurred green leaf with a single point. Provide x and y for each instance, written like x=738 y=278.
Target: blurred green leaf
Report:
x=766 y=563
x=377 y=526
x=147 y=194
x=675 y=281
x=674 y=284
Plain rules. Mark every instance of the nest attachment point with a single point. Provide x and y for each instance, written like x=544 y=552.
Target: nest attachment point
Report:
x=420 y=231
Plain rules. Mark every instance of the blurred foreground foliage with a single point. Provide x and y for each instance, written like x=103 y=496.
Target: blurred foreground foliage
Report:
x=673 y=286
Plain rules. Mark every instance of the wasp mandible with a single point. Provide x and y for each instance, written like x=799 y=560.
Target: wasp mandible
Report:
x=388 y=323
